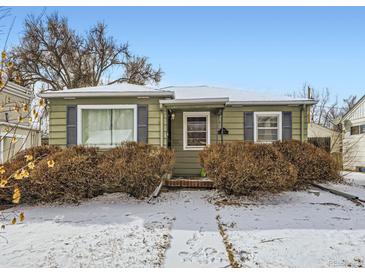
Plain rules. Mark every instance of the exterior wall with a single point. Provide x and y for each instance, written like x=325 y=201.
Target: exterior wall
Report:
x=58 y=108
x=233 y=120
x=10 y=100
x=187 y=161
x=25 y=139
x=354 y=145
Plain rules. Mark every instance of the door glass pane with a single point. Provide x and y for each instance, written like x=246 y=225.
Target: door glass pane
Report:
x=196 y=131
x=197 y=123
x=96 y=127
x=123 y=126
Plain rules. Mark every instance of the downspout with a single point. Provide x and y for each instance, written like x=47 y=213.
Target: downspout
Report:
x=161 y=126
x=222 y=125
x=302 y=123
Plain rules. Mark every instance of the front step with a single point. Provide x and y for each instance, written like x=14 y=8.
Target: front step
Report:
x=189 y=183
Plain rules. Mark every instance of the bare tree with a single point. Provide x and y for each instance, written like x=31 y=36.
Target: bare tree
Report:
x=55 y=56
x=328 y=110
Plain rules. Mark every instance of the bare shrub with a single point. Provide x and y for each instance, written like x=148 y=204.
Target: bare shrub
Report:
x=19 y=161
x=135 y=168
x=65 y=176
x=241 y=168
x=313 y=164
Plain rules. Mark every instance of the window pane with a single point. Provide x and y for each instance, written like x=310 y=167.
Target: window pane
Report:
x=267 y=121
x=197 y=123
x=196 y=131
x=267 y=135
x=362 y=128
x=355 y=130
x=123 y=126
x=96 y=126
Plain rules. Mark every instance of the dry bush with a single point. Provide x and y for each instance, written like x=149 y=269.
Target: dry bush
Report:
x=313 y=164
x=18 y=162
x=73 y=177
x=135 y=168
x=241 y=168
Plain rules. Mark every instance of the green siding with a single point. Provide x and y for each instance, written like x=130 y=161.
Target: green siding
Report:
x=233 y=120
x=57 y=117
x=187 y=161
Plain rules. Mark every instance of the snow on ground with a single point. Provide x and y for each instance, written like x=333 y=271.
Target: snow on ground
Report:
x=109 y=231
x=195 y=240
x=297 y=229
x=117 y=231
x=311 y=228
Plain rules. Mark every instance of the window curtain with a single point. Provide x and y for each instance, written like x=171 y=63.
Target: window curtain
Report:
x=105 y=127
x=122 y=126
x=96 y=125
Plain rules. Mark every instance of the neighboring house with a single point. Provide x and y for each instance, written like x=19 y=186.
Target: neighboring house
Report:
x=26 y=136
x=185 y=119
x=318 y=131
x=353 y=123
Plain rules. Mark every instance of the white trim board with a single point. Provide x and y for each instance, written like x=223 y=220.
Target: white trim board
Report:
x=79 y=118
x=195 y=114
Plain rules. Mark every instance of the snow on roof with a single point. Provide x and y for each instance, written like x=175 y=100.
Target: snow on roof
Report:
x=231 y=95
x=178 y=94
x=118 y=89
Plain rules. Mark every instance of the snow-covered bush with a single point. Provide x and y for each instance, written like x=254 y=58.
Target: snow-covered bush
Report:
x=313 y=164
x=241 y=168
x=135 y=168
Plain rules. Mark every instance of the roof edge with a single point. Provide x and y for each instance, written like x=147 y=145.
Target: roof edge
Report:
x=60 y=94
x=291 y=102
x=353 y=108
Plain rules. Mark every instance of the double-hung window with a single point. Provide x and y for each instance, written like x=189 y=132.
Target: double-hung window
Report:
x=196 y=130
x=106 y=125
x=267 y=126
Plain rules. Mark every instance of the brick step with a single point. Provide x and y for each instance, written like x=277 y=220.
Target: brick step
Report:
x=191 y=183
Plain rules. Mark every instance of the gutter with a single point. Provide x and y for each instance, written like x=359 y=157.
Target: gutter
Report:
x=60 y=94
x=250 y=103
x=222 y=100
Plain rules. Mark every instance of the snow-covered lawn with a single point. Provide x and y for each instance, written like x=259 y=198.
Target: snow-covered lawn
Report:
x=299 y=229
x=183 y=229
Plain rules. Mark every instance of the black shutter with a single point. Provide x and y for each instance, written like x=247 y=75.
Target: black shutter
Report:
x=142 y=123
x=71 y=126
x=287 y=126
x=248 y=126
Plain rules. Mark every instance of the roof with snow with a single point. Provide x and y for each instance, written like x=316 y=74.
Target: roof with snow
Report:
x=186 y=94
x=117 y=90
x=179 y=94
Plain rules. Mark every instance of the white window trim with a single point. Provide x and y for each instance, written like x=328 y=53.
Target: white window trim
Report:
x=185 y=134
x=11 y=135
x=79 y=119
x=266 y=113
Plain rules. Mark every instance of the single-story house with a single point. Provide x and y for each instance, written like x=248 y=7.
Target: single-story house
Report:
x=26 y=134
x=183 y=118
x=353 y=124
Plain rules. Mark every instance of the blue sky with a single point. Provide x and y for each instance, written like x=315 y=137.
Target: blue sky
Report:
x=267 y=49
